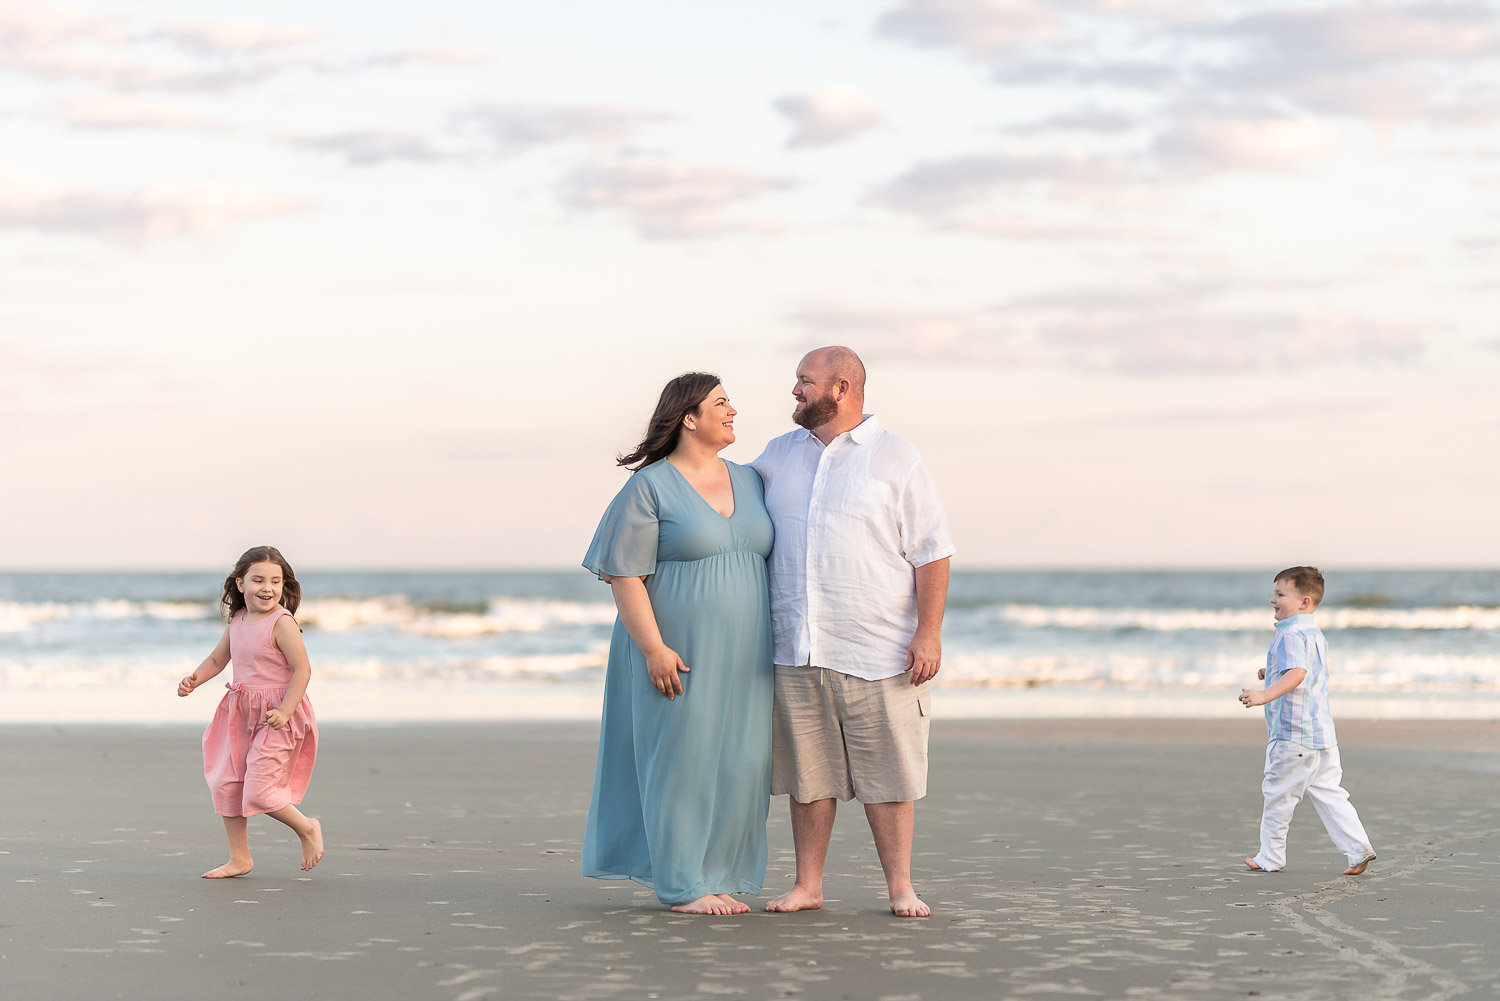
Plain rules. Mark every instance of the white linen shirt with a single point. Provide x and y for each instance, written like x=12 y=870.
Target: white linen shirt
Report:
x=853 y=521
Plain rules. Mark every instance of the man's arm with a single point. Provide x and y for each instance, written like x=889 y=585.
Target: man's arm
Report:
x=925 y=655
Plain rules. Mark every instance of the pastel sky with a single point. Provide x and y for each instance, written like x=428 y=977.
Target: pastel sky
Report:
x=1148 y=282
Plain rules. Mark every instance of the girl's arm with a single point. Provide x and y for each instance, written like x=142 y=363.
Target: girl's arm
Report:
x=205 y=672
x=634 y=605
x=1290 y=680
x=288 y=640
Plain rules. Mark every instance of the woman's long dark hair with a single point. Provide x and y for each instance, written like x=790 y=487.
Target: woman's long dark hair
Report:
x=679 y=398
x=291 y=591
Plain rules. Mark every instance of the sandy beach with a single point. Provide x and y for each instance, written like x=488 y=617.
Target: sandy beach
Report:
x=1084 y=859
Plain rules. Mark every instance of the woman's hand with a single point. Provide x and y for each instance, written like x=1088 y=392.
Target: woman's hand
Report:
x=662 y=666
x=276 y=719
x=186 y=686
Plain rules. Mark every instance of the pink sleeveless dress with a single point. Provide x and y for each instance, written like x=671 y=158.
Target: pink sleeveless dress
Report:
x=250 y=767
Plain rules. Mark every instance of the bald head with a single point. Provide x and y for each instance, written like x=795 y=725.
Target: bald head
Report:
x=830 y=392
x=839 y=362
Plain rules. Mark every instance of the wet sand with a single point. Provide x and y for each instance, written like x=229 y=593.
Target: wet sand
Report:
x=1086 y=859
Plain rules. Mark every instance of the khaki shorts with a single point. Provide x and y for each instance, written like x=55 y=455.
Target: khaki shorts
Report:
x=834 y=736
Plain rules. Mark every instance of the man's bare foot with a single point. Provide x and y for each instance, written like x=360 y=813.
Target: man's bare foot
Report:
x=795 y=899
x=909 y=905
x=1250 y=864
x=1358 y=869
x=229 y=869
x=709 y=903
x=735 y=906
x=312 y=845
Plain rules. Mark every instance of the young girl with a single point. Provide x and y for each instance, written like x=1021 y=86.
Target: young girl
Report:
x=259 y=748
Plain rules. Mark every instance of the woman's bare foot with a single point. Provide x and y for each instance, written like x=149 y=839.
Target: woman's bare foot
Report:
x=312 y=845
x=229 y=869
x=735 y=906
x=709 y=903
x=909 y=905
x=795 y=899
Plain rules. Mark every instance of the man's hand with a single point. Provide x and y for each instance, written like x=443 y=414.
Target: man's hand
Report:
x=924 y=657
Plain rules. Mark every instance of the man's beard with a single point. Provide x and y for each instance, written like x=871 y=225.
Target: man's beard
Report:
x=816 y=413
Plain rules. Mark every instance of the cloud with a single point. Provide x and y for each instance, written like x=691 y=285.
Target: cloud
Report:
x=515 y=126
x=32 y=25
x=1372 y=34
x=211 y=39
x=1095 y=120
x=123 y=52
x=1206 y=341
x=134 y=53
x=826 y=116
x=1163 y=331
x=669 y=200
x=143 y=216
x=1379 y=61
x=1246 y=143
x=944 y=185
x=984 y=28
x=1094 y=72
x=948 y=336
x=428 y=55
x=372 y=147
x=111 y=113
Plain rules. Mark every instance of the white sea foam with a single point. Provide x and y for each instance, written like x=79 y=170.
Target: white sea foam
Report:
x=1243 y=620
x=501 y=615
x=460 y=645
x=1369 y=672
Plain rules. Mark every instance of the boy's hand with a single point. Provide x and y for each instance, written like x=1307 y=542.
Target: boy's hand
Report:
x=1250 y=697
x=1261 y=674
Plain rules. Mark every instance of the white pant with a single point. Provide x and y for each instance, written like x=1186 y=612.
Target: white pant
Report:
x=1293 y=771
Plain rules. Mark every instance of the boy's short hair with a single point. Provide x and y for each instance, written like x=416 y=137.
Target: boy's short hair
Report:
x=1307 y=580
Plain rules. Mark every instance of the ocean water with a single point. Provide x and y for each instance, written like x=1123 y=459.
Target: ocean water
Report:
x=388 y=647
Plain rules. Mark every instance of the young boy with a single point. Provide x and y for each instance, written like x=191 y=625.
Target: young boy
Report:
x=1302 y=757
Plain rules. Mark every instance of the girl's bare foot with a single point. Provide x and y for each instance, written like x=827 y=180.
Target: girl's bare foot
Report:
x=909 y=905
x=312 y=845
x=709 y=903
x=230 y=868
x=735 y=906
x=795 y=899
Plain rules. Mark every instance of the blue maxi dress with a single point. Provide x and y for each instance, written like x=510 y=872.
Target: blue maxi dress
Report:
x=682 y=787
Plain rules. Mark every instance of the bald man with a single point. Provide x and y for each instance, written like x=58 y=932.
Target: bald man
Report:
x=859 y=581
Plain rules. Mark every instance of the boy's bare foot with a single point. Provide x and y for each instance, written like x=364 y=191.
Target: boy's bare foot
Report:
x=1358 y=870
x=735 y=906
x=709 y=903
x=229 y=869
x=312 y=845
x=1250 y=863
x=909 y=905
x=795 y=899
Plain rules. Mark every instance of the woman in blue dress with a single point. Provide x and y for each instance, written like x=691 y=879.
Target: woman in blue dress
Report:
x=683 y=781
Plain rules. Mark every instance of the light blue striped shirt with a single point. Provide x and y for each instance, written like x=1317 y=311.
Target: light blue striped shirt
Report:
x=1301 y=715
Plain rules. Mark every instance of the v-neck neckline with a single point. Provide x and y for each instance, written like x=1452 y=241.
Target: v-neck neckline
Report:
x=689 y=484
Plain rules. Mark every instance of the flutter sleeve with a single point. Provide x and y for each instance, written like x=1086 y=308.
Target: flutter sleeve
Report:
x=625 y=543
